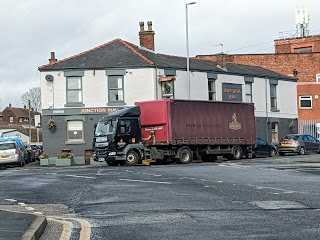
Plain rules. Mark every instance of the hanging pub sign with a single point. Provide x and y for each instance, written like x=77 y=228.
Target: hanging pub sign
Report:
x=231 y=92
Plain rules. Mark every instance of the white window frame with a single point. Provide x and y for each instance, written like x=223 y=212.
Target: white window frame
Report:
x=73 y=129
x=305 y=98
x=248 y=94
x=77 y=90
x=119 y=97
x=273 y=98
x=318 y=77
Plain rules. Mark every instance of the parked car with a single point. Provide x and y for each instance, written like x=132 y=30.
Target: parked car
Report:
x=298 y=143
x=31 y=154
x=36 y=150
x=20 y=144
x=262 y=147
x=10 y=154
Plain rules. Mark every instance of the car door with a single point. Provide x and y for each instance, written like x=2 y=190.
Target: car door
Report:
x=314 y=145
x=307 y=143
x=261 y=147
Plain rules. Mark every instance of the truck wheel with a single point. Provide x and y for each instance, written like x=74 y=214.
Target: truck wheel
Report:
x=132 y=158
x=185 y=156
x=236 y=153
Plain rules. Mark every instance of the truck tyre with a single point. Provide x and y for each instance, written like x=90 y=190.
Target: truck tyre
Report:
x=236 y=153
x=132 y=158
x=185 y=156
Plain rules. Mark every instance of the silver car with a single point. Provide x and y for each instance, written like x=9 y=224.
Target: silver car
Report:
x=10 y=154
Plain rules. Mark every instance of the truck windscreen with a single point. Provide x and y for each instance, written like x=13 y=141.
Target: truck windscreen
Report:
x=105 y=128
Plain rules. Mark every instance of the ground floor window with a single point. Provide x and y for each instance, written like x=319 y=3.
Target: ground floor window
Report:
x=75 y=130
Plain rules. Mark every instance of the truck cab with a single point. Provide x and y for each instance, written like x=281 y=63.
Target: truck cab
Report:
x=117 y=137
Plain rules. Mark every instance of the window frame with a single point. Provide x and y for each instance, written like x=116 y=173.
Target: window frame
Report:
x=212 y=92
x=167 y=95
x=305 y=96
x=110 y=78
x=248 y=94
x=318 y=77
x=79 y=90
x=273 y=97
x=75 y=140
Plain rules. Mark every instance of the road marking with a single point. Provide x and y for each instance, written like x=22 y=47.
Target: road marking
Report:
x=30 y=208
x=51 y=173
x=21 y=203
x=38 y=213
x=11 y=200
x=154 y=175
x=77 y=176
x=145 y=181
x=66 y=228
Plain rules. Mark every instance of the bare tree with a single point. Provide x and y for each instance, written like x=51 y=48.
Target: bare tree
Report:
x=34 y=95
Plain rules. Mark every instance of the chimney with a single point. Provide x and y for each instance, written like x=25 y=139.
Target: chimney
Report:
x=146 y=37
x=53 y=59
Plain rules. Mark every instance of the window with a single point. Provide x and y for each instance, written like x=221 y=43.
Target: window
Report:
x=305 y=101
x=75 y=130
x=115 y=85
x=74 y=90
x=212 y=89
x=167 y=88
x=248 y=89
x=11 y=119
x=273 y=96
x=318 y=77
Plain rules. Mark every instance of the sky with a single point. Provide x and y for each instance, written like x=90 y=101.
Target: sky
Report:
x=31 y=29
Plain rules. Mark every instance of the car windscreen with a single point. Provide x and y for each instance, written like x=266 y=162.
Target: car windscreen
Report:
x=7 y=146
x=291 y=137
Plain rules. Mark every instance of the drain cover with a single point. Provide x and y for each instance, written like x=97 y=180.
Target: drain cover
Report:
x=271 y=205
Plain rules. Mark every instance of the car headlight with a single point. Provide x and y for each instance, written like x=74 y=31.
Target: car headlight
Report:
x=101 y=139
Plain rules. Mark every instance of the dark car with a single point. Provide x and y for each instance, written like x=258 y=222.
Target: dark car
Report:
x=298 y=143
x=36 y=150
x=262 y=147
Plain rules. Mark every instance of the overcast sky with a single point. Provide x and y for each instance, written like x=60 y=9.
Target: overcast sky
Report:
x=31 y=29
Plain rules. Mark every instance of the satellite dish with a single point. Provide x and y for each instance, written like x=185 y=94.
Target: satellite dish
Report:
x=49 y=77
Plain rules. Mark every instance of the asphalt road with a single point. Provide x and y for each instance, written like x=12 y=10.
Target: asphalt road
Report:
x=263 y=198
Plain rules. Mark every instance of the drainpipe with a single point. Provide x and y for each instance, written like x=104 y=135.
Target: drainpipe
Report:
x=267 y=116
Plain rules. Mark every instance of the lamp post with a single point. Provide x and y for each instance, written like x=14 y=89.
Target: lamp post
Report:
x=187 y=43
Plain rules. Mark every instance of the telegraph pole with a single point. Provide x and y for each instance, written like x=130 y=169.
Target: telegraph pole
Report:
x=29 y=121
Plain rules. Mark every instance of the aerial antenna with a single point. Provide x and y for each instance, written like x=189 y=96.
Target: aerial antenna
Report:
x=219 y=45
x=302 y=21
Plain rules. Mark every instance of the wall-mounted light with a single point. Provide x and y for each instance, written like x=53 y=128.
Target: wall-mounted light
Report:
x=295 y=72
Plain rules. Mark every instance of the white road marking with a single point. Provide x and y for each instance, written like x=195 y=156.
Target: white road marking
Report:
x=144 y=181
x=206 y=186
x=11 y=200
x=38 y=213
x=51 y=173
x=154 y=175
x=21 y=203
x=77 y=176
x=219 y=181
x=30 y=208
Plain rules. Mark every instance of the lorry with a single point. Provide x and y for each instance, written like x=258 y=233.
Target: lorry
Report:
x=172 y=130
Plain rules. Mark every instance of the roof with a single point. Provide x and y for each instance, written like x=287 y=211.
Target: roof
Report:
x=119 y=53
x=122 y=54
x=256 y=71
x=20 y=112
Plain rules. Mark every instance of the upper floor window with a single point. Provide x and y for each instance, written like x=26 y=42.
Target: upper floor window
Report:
x=74 y=90
x=212 y=89
x=318 y=77
x=305 y=101
x=167 y=88
x=115 y=89
x=248 y=89
x=273 y=96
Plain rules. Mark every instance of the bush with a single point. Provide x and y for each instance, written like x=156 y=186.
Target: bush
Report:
x=65 y=155
x=44 y=155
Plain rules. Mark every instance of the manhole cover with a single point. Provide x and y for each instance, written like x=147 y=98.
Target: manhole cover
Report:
x=271 y=205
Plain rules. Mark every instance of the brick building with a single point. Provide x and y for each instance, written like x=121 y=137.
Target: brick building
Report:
x=298 y=57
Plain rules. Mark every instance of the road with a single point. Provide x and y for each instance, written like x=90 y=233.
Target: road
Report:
x=262 y=198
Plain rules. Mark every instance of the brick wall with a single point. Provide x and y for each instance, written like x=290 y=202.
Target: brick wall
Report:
x=288 y=45
x=309 y=89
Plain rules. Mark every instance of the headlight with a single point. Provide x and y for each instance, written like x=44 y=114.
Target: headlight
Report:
x=101 y=139
x=112 y=153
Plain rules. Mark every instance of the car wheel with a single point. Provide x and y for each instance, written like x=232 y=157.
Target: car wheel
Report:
x=272 y=153
x=301 y=151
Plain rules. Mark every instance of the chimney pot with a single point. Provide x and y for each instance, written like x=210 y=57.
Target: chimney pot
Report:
x=53 y=59
x=149 y=26
x=141 y=26
x=10 y=105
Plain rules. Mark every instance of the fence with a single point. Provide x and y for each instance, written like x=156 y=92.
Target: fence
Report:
x=311 y=127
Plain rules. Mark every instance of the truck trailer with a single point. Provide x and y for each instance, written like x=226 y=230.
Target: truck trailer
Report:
x=171 y=130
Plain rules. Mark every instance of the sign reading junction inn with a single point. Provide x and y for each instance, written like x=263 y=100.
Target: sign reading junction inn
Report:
x=78 y=111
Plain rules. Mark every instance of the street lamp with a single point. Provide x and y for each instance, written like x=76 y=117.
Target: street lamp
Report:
x=187 y=43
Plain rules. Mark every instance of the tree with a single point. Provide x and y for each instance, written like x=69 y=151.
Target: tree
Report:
x=34 y=95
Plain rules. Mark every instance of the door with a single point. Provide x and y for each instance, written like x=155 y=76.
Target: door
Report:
x=275 y=132
x=314 y=144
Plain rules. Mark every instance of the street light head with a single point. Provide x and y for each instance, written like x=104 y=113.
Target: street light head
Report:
x=190 y=3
